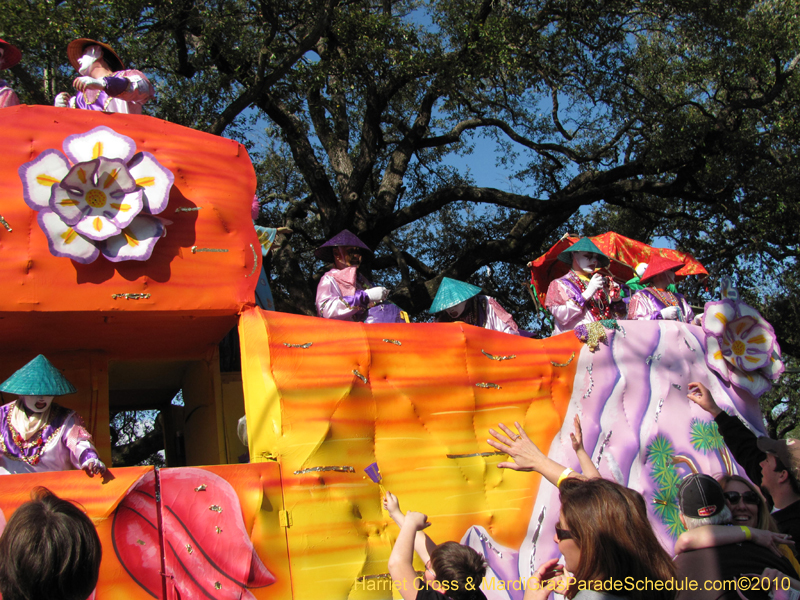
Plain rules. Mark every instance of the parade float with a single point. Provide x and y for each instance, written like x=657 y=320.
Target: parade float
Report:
x=130 y=252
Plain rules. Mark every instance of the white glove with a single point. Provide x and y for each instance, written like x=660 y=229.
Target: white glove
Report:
x=377 y=294
x=88 y=83
x=93 y=466
x=595 y=283
x=670 y=313
x=62 y=100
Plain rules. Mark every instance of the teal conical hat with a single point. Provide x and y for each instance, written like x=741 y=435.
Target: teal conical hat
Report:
x=38 y=378
x=583 y=245
x=452 y=292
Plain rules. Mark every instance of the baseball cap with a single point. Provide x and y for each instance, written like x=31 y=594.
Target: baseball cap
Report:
x=788 y=451
x=700 y=496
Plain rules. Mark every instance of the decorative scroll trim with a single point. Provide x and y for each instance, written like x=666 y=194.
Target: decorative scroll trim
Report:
x=5 y=224
x=395 y=342
x=346 y=469
x=195 y=249
x=500 y=358
x=566 y=364
x=591 y=382
x=602 y=448
x=476 y=454
x=658 y=409
x=255 y=261
x=188 y=209
x=130 y=296
x=201 y=488
x=303 y=346
x=488 y=385
x=360 y=376
x=486 y=541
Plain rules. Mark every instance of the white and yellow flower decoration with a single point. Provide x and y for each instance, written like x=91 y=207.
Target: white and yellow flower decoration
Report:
x=98 y=197
x=741 y=346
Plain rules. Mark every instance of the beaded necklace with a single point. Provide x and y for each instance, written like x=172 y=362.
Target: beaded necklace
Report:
x=29 y=451
x=599 y=304
x=667 y=299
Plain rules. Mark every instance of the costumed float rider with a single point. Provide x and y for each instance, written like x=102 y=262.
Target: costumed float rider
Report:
x=38 y=435
x=104 y=83
x=583 y=295
x=345 y=294
x=9 y=56
x=660 y=300
x=459 y=301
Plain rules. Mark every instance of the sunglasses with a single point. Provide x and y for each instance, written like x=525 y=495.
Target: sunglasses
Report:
x=563 y=534
x=748 y=497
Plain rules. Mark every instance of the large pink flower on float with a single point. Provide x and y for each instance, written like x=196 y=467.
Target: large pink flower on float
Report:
x=98 y=197
x=741 y=346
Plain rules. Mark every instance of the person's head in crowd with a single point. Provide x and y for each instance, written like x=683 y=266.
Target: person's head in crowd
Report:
x=702 y=502
x=451 y=562
x=604 y=534
x=748 y=506
x=49 y=550
x=781 y=467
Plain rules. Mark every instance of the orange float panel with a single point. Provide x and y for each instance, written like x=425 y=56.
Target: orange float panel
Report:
x=325 y=399
x=200 y=273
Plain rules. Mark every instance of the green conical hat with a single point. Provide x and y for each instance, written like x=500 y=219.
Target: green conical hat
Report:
x=583 y=245
x=452 y=292
x=38 y=378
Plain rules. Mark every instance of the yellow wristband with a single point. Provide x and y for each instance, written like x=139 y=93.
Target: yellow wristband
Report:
x=748 y=535
x=564 y=474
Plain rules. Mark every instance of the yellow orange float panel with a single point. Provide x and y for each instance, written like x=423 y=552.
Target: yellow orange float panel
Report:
x=121 y=233
x=325 y=399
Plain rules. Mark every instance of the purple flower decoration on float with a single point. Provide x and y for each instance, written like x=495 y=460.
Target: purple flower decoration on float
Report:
x=98 y=197
x=741 y=346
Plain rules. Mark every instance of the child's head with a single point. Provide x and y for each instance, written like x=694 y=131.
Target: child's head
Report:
x=452 y=562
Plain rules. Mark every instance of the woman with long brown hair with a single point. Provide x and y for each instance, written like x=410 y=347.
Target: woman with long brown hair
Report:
x=608 y=545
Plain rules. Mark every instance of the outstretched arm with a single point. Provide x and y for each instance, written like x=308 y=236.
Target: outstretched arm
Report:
x=423 y=545
x=710 y=536
x=401 y=566
x=587 y=466
x=526 y=454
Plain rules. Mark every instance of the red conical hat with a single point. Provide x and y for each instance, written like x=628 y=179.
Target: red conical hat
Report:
x=11 y=55
x=659 y=264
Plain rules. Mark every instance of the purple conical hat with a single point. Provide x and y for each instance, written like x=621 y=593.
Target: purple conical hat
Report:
x=343 y=238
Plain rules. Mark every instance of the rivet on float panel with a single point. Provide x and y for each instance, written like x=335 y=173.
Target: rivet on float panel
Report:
x=215 y=508
x=395 y=342
x=488 y=385
x=217 y=585
x=5 y=224
x=303 y=346
x=201 y=488
x=188 y=209
x=189 y=548
x=219 y=529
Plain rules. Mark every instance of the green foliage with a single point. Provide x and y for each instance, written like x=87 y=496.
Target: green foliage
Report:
x=676 y=120
x=659 y=455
